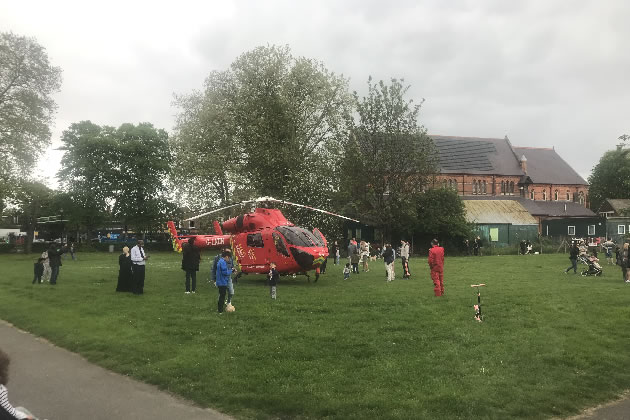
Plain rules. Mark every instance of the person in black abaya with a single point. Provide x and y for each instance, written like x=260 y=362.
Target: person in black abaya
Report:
x=125 y=275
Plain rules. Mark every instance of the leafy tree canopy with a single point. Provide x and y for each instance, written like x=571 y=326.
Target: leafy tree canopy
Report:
x=27 y=82
x=611 y=176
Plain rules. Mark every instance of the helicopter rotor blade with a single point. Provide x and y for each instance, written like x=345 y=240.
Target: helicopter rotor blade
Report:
x=316 y=209
x=218 y=210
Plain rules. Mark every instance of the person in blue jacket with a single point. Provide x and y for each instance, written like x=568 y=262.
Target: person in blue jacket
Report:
x=223 y=273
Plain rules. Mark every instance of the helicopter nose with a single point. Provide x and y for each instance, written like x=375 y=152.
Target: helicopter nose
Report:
x=304 y=259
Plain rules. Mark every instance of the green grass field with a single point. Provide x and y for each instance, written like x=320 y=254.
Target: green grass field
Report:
x=551 y=344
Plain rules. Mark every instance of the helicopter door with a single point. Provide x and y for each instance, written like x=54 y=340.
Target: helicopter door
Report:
x=318 y=235
x=254 y=253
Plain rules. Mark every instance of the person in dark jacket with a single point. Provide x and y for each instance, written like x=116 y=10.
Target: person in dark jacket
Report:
x=125 y=274
x=38 y=270
x=574 y=251
x=191 y=256
x=54 y=258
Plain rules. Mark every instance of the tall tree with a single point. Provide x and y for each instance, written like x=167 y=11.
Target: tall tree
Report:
x=440 y=213
x=32 y=198
x=388 y=158
x=89 y=171
x=611 y=176
x=144 y=162
x=272 y=124
x=119 y=174
x=27 y=82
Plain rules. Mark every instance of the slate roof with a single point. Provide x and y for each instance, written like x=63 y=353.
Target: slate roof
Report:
x=476 y=155
x=498 y=212
x=491 y=156
x=545 y=166
x=616 y=204
x=542 y=208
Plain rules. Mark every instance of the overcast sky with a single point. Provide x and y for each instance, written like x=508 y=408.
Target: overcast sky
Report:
x=545 y=73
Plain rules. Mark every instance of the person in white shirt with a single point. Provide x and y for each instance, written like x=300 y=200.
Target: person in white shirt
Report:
x=138 y=262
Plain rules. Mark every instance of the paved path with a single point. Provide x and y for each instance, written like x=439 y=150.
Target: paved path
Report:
x=56 y=384
x=616 y=410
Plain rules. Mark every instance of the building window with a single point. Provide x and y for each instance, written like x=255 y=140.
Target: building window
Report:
x=621 y=229
x=581 y=197
x=455 y=184
x=474 y=186
x=571 y=230
x=502 y=187
x=512 y=187
x=484 y=186
x=544 y=195
x=555 y=195
x=532 y=195
x=191 y=224
x=444 y=184
x=591 y=230
x=568 y=196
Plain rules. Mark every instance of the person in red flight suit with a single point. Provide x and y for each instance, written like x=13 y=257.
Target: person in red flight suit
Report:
x=436 y=264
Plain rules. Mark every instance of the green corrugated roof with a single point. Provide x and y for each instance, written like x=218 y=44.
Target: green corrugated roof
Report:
x=497 y=212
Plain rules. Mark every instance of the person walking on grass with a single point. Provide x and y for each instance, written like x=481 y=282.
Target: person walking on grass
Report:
x=354 y=259
x=272 y=278
x=574 y=251
x=436 y=264
x=223 y=276
x=54 y=259
x=365 y=255
x=346 y=272
x=191 y=257
x=389 y=257
x=38 y=271
x=404 y=255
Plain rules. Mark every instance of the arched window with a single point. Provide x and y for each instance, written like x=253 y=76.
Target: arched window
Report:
x=532 y=195
x=455 y=184
x=581 y=197
x=502 y=187
x=568 y=196
x=544 y=195
x=450 y=183
x=474 y=186
x=555 y=195
x=484 y=188
x=444 y=184
x=511 y=187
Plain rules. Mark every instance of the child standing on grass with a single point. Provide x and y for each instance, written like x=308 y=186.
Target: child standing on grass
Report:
x=4 y=397
x=346 y=272
x=38 y=270
x=272 y=277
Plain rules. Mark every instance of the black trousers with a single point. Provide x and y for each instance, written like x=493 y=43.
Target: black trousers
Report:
x=191 y=274
x=54 y=273
x=138 y=279
x=37 y=279
x=221 y=302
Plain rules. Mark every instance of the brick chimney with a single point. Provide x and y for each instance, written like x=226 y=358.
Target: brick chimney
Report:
x=523 y=163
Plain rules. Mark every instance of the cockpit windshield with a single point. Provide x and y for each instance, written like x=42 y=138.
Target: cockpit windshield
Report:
x=298 y=236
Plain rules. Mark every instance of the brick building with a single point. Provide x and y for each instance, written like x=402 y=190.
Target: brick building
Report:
x=493 y=167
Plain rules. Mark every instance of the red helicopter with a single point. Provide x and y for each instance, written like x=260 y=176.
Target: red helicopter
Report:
x=264 y=236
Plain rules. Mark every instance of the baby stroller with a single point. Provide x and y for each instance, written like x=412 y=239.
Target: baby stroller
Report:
x=594 y=269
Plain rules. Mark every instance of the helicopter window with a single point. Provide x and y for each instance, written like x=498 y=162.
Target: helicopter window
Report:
x=298 y=236
x=255 y=240
x=280 y=247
